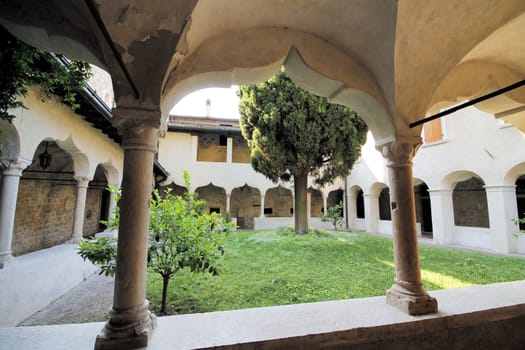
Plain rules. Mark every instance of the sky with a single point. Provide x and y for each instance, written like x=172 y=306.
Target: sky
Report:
x=224 y=103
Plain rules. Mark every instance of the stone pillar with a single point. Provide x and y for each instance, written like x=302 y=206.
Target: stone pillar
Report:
x=262 y=206
x=9 y=195
x=80 y=208
x=228 y=198
x=194 y=148
x=229 y=150
x=407 y=293
x=351 y=210
x=130 y=323
x=371 y=212
x=442 y=216
x=501 y=201
x=325 y=199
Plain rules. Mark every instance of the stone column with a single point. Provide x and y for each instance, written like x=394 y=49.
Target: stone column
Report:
x=194 y=148
x=325 y=199
x=229 y=150
x=501 y=201
x=371 y=202
x=262 y=206
x=442 y=216
x=9 y=195
x=228 y=198
x=130 y=323
x=407 y=293
x=80 y=208
x=351 y=210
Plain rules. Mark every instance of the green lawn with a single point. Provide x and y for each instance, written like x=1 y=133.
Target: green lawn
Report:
x=269 y=267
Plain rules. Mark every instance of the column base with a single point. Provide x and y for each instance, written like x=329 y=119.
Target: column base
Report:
x=6 y=259
x=411 y=303
x=75 y=240
x=129 y=336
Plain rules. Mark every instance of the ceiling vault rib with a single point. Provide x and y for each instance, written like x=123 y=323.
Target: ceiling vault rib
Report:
x=96 y=16
x=468 y=103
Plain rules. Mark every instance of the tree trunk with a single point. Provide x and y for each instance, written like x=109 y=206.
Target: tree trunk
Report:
x=165 y=282
x=300 y=212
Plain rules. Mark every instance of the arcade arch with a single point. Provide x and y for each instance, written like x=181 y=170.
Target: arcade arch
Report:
x=215 y=198
x=245 y=205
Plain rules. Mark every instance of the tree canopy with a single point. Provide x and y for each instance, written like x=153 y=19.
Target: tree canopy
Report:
x=295 y=134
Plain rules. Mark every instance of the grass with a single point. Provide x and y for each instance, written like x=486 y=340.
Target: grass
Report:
x=275 y=267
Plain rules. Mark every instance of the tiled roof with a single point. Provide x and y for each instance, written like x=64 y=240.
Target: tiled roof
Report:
x=203 y=124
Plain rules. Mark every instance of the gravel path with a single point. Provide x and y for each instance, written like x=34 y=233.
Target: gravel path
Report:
x=90 y=301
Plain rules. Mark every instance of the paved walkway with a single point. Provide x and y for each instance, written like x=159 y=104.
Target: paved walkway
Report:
x=90 y=301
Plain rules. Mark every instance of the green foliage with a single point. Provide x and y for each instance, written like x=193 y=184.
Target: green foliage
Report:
x=23 y=65
x=334 y=215
x=101 y=251
x=292 y=132
x=517 y=222
x=181 y=236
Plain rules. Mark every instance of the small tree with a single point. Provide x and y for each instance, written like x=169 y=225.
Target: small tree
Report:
x=181 y=236
x=334 y=215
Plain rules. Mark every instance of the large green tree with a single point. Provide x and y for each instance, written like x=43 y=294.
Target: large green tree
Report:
x=293 y=134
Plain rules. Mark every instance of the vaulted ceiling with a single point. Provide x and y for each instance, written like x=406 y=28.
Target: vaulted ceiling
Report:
x=392 y=61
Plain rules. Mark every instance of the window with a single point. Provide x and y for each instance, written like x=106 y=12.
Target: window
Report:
x=432 y=131
x=223 y=140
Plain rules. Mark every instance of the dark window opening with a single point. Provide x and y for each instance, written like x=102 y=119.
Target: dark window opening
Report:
x=268 y=211
x=223 y=140
x=215 y=210
x=360 y=205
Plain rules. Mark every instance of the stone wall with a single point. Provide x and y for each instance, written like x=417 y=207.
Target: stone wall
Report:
x=210 y=149
x=316 y=203
x=279 y=201
x=92 y=213
x=44 y=215
x=215 y=198
x=470 y=204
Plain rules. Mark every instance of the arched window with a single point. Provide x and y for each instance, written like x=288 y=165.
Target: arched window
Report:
x=384 y=205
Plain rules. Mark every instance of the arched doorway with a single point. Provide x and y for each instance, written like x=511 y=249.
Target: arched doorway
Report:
x=423 y=208
x=245 y=205
x=215 y=198
x=316 y=203
x=360 y=204
x=97 y=203
x=520 y=198
x=384 y=204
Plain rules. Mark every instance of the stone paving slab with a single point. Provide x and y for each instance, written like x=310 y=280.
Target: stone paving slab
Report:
x=89 y=301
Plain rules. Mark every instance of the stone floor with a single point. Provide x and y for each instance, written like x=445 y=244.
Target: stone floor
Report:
x=90 y=301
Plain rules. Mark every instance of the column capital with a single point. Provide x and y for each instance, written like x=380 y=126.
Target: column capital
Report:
x=140 y=128
x=15 y=167
x=401 y=151
x=82 y=181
